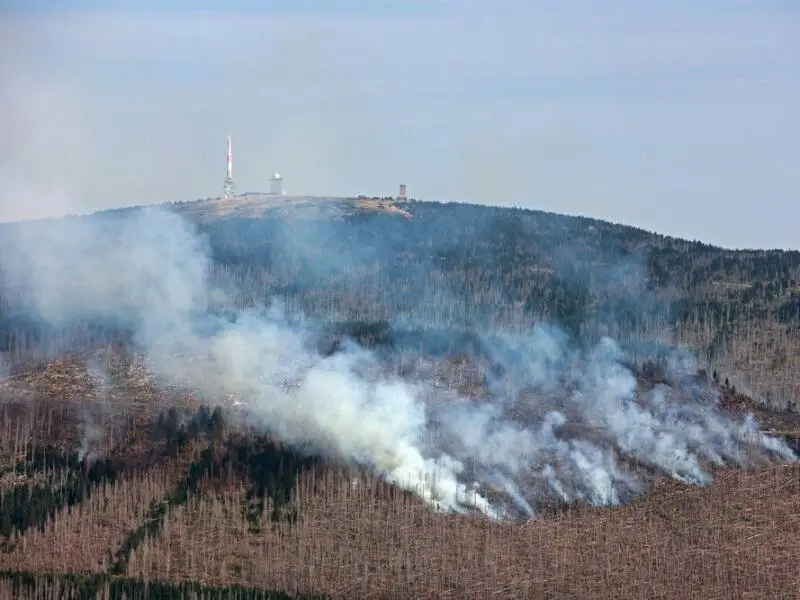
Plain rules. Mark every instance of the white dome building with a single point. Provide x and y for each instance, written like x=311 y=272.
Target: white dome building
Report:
x=276 y=184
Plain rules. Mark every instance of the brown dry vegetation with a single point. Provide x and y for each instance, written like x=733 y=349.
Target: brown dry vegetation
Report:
x=734 y=539
x=83 y=538
x=361 y=538
x=256 y=206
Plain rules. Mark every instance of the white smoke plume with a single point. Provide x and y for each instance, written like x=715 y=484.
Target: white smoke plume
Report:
x=92 y=434
x=560 y=424
x=592 y=423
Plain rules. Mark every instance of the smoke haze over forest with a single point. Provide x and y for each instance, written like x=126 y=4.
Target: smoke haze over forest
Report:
x=148 y=271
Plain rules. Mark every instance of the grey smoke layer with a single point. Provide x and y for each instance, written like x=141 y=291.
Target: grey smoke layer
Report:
x=559 y=424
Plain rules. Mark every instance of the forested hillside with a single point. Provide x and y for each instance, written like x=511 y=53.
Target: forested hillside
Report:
x=190 y=408
x=461 y=266
x=476 y=266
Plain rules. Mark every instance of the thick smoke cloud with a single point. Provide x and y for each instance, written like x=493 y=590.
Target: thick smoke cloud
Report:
x=559 y=424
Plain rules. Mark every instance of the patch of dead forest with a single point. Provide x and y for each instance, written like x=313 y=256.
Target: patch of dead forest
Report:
x=196 y=506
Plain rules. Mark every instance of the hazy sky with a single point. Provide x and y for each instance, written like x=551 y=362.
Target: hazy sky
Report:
x=676 y=116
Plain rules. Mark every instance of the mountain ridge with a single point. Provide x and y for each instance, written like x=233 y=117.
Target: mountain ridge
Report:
x=208 y=401
x=740 y=309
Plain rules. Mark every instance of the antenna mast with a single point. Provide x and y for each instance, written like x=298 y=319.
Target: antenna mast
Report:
x=228 y=185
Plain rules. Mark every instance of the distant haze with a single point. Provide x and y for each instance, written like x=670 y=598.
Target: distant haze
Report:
x=679 y=117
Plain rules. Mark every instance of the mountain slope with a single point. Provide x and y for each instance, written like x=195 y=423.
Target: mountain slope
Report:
x=470 y=266
x=163 y=415
x=488 y=266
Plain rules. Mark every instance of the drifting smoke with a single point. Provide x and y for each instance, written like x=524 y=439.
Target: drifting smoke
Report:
x=559 y=423
x=93 y=417
x=586 y=420
x=92 y=433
